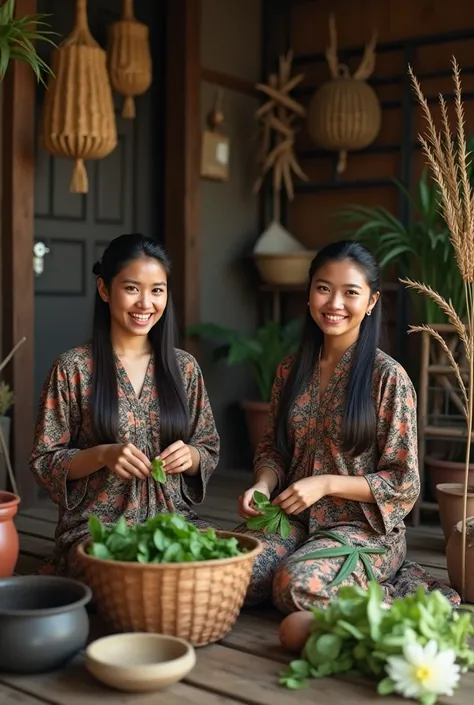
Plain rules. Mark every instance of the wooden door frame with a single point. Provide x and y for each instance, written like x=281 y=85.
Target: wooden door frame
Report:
x=181 y=199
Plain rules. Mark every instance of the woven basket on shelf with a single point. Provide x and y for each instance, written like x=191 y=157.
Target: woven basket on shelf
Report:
x=78 y=113
x=198 y=601
x=284 y=268
x=129 y=57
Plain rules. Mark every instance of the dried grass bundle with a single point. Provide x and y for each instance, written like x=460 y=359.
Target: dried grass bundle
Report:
x=449 y=161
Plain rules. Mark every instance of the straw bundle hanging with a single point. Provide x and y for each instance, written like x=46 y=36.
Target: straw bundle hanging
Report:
x=78 y=113
x=129 y=58
x=345 y=114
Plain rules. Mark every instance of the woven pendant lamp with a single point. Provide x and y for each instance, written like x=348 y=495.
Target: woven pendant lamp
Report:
x=129 y=58
x=78 y=114
x=344 y=114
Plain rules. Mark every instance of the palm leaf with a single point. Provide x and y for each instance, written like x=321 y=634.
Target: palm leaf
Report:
x=17 y=35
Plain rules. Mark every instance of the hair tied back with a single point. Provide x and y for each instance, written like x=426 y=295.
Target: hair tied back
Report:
x=97 y=268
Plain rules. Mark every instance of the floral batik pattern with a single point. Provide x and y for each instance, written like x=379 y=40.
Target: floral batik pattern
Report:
x=390 y=468
x=63 y=428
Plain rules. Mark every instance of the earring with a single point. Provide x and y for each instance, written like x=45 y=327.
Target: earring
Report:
x=369 y=313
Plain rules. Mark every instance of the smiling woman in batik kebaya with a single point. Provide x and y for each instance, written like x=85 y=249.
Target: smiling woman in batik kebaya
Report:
x=110 y=407
x=339 y=454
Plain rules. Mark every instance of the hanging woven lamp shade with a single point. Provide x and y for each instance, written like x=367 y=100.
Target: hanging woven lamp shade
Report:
x=78 y=113
x=344 y=115
x=129 y=58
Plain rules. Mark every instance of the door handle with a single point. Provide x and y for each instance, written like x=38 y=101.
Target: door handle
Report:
x=39 y=252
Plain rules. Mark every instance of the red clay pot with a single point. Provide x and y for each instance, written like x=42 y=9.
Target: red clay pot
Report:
x=256 y=415
x=9 y=542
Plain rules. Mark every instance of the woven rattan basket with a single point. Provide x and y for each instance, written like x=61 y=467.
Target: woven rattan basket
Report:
x=129 y=58
x=78 y=112
x=197 y=601
x=284 y=268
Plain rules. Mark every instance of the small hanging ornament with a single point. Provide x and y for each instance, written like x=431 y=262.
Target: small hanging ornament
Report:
x=78 y=112
x=215 y=145
x=344 y=114
x=130 y=65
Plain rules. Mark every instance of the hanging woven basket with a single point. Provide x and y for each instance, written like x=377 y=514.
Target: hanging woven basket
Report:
x=129 y=58
x=344 y=114
x=78 y=113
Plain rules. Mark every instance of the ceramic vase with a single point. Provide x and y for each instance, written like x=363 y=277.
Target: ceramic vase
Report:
x=9 y=541
x=454 y=557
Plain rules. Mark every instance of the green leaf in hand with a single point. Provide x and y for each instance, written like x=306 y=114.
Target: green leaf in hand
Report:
x=157 y=471
x=273 y=519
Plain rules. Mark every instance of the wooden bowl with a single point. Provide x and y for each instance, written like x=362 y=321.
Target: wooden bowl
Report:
x=139 y=662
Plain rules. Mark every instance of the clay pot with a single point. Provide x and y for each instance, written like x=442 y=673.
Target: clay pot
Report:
x=454 y=558
x=256 y=416
x=450 y=503
x=9 y=542
x=441 y=471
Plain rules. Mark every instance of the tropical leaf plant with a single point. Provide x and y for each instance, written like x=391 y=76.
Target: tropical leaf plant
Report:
x=263 y=352
x=421 y=250
x=17 y=37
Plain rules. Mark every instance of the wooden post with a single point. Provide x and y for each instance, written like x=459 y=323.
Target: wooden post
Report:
x=183 y=149
x=17 y=223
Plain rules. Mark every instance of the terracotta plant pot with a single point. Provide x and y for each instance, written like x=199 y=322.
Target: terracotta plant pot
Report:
x=256 y=416
x=450 y=504
x=454 y=557
x=441 y=472
x=9 y=542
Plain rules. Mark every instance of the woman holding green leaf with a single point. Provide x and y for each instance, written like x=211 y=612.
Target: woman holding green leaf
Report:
x=124 y=425
x=339 y=456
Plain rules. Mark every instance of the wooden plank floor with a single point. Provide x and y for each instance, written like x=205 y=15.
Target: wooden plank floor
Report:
x=242 y=668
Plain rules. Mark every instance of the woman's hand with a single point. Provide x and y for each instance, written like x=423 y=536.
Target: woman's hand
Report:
x=246 y=506
x=177 y=458
x=126 y=461
x=303 y=494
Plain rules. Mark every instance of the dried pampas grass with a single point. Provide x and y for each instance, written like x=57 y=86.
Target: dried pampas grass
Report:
x=449 y=161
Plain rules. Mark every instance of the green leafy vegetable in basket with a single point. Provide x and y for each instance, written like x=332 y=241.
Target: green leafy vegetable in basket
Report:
x=417 y=645
x=273 y=520
x=164 y=538
x=157 y=471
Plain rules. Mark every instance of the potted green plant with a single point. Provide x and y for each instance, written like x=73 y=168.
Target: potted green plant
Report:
x=421 y=250
x=6 y=402
x=262 y=352
x=17 y=35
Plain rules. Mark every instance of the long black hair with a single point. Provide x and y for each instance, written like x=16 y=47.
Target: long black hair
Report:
x=359 y=420
x=174 y=410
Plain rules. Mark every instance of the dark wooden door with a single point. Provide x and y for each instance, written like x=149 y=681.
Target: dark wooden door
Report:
x=123 y=197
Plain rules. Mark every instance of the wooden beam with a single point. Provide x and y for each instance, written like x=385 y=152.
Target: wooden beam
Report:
x=183 y=154
x=17 y=222
x=226 y=80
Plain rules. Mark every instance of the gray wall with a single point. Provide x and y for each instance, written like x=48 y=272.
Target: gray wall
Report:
x=230 y=43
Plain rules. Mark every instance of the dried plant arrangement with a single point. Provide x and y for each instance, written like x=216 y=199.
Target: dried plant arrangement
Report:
x=449 y=161
x=277 y=117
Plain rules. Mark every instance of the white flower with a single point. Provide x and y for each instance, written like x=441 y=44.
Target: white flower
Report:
x=423 y=670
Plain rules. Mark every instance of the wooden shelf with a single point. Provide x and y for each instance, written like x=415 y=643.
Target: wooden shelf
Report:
x=447 y=432
x=289 y=288
x=445 y=370
x=430 y=506
x=427 y=431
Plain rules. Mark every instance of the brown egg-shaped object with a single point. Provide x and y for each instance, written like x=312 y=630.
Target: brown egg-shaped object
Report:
x=295 y=629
